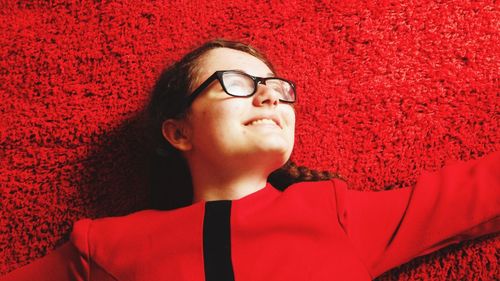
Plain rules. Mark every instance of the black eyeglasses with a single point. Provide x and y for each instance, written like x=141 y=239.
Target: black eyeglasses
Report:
x=240 y=84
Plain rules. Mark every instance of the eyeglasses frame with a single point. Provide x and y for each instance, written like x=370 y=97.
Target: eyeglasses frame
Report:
x=218 y=75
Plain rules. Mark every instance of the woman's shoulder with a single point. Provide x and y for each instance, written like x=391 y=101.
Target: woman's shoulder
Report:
x=111 y=232
x=132 y=220
x=314 y=187
x=109 y=225
x=315 y=192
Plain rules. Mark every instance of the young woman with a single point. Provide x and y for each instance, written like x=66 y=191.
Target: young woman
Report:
x=227 y=120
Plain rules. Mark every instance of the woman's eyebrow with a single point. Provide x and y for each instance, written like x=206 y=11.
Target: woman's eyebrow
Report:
x=269 y=74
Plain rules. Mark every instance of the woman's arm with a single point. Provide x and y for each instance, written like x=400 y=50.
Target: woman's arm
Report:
x=60 y=265
x=389 y=228
x=64 y=264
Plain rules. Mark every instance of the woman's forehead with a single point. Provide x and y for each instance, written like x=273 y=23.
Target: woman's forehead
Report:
x=230 y=59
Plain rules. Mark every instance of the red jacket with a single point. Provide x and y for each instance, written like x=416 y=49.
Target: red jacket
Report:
x=311 y=231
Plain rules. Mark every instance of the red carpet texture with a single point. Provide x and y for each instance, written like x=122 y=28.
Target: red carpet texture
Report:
x=386 y=89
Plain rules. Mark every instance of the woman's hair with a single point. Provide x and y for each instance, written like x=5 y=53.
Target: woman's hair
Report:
x=171 y=179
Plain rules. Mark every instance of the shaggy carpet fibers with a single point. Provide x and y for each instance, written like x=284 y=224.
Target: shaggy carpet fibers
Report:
x=386 y=90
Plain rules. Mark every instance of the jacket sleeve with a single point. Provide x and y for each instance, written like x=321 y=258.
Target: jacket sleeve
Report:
x=70 y=262
x=59 y=265
x=389 y=228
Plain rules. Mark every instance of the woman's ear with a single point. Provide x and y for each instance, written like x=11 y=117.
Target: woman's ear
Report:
x=176 y=133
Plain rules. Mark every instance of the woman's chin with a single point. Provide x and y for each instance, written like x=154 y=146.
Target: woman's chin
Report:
x=275 y=145
x=274 y=151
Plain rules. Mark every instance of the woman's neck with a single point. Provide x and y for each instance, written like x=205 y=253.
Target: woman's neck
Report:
x=210 y=188
x=233 y=178
x=228 y=180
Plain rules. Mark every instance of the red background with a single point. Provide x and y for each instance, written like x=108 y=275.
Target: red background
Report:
x=386 y=90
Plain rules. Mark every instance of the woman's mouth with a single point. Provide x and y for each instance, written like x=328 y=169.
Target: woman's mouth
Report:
x=264 y=121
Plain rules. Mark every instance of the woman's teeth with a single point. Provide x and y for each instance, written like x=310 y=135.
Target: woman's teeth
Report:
x=263 y=121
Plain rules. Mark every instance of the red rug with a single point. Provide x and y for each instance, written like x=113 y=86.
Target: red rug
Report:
x=387 y=89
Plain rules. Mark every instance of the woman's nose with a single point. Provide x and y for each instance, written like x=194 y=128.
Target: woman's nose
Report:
x=266 y=96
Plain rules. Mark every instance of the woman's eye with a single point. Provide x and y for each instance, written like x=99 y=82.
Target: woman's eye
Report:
x=236 y=83
x=238 y=87
x=275 y=86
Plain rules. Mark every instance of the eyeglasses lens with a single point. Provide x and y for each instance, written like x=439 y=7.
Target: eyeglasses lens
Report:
x=241 y=85
x=283 y=88
x=237 y=84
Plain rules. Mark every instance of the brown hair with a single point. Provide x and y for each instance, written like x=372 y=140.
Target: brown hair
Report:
x=171 y=179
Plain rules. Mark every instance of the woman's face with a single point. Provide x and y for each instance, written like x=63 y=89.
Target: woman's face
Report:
x=227 y=128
